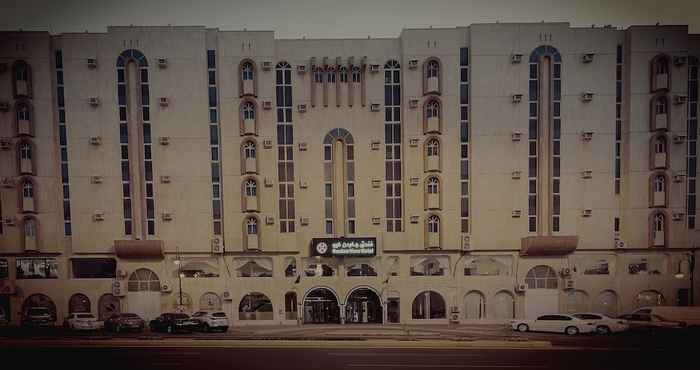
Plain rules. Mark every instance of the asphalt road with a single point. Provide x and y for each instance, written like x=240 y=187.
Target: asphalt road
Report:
x=339 y=358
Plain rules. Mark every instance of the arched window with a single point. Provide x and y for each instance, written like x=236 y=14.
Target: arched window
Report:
x=248 y=111
x=79 y=303
x=27 y=189
x=108 y=306
x=432 y=109
x=22 y=83
x=318 y=75
x=428 y=305
x=356 y=77
x=30 y=227
x=247 y=71
x=504 y=305
x=659 y=223
x=661 y=66
x=209 y=301
x=541 y=277
x=331 y=75
x=251 y=226
x=39 y=301
x=576 y=301
x=433 y=185
x=290 y=306
x=434 y=224
x=661 y=105
x=255 y=306
x=249 y=150
x=433 y=69
x=251 y=188
x=25 y=151
x=24 y=119
x=660 y=73
x=660 y=183
x=343 y=74
x=143 y=280
x=474 y=305
x=433 y=148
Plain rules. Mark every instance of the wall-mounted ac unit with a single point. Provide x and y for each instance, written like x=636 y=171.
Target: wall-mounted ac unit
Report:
x=301 y=108
x=165 y=179
x=92 y=63
x=266 y=65
x=516 y=58
x=163 y=101
x=374 y=107
x=374 y=68
x=678 y=216
x=165 y=288
x=267 y=105
x=164 y=140
x=376 y=183
x=679 y=139
x=162 y=62
x=516 y=136
x=121 y=273
x=374 y=145
x=680 y=99
x=413 y=64
x=414 y=219
x=454 y=317
x=118 y=289
x=95 y=179
x=587 y=57
x=304 y=221
x=98 y=216
x=303 y=146
x=270 y=220
x=167 y=216
x=587 y=135
x=568 y=284
x=680 y=60
x=413 y=103
x=413 y=142
x=4 y=106
x=227 y=295
x=94 y=101
x=516 y=213
x=515 y=174
x=414 y=180
x=267 y=144
x=587 y=174
x=301 y=68
x=566 y=271
x=268 y=182
x=678 y=178
x=217 y=246
x=620 y=244
x=5 y=144
x=517 y=98
x=586 y=212
x=521 y=288
x=95 y=140
x=587 y=96
x=466 y=243
x=376 y=220
x=303 y=184
x=7 y=182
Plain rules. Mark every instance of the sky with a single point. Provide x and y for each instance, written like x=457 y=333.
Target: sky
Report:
x=336 y=18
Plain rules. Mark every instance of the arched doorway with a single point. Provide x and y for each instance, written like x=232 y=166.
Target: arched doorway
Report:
x=79 y=303
x=606 y=303
x=474 y=306
x=363 y=306
x=428 y=305
x=108 y=306
x=576 y=301
x=321 y=307
x=39 y=300
x=144 y=294
x=650 y=298
x=504 y=305
x=255 y=306
x=209 y=301
x=542 y=295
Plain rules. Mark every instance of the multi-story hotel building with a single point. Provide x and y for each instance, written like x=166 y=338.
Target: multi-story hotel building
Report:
x=472 y=173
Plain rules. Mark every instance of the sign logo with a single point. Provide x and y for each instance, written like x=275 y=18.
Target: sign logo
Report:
x=321 y=248
x=344 y=247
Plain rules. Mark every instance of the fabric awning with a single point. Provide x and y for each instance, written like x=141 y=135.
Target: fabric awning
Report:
x=548 y=245
x=139 y=249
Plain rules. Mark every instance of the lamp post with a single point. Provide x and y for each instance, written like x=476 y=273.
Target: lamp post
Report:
x=178 y=263
x=691 y=273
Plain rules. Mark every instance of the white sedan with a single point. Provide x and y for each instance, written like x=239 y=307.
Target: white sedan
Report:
x=555 y=323
x=604 y=324
x=82 y=321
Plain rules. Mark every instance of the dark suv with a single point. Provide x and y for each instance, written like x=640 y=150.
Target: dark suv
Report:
x=38 y=316
x=125 y=321
x=172 y=323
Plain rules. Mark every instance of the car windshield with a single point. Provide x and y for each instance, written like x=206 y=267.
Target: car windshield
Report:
x=198 y=314
x=38 y=311
x=219 y=314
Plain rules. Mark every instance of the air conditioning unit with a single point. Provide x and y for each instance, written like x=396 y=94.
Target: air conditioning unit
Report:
x=376 y=183
x=7 y=182
x=587 y=57
x=376 y=220
x=454 y=317
x=162 y=63
x=568 y=284
x=5 y=144
x=466 y=243
x=414 y=180
x=4 y=107
x=374 y=68
x=217 y=246
x=266 y=65
x=620 y=244
x=94 y=101
x=164 y=140
x=680 y=60
x=95 y=179
x=414 y=219
x=92 y=63
x=304 y=221
x=167 y=216
x=374 y=145
x=118 y=289
x=267 y=104
x=226 y=295
x=680 y=99
x=566 y=271
x=301 y=69
x=413 y=64
x=268 y=182
x=165 y=179
x=413 y=142
x=517 y=98
x=303 y=184
x=587 y=96
x=9 y=221
x=267 y=144
x=95 y=140
x=165 y=288
x=587 y=174
x=515 y=175
x=413 y=103
x=270 y=220
x=121 y=273
x=678 y=216
x=678 y=178
x=679 y=139
x=516 y=135
x=301 y=108
x=303 y=146
x=616 y=235
x=163 y=101
x=516 y=58
x=516 y=213
x=586 y=212
x=521 y=288
x=374 y=107
x=98 y=216
x=587 y=135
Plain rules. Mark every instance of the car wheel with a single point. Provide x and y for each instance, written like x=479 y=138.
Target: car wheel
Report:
x=571 y=330
x=224 y=329
x=118 y=328
x=602 y=329
x=523 y=328
x=170 y=329
x=207 y=328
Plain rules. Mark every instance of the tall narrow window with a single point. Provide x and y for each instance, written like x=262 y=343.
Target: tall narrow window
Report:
x=618 y=120
x=247 y=78
x=464 y=138
x=339 y=182
x=432 y=116
x=343 y=74
x=285 y=146
x=432 y=193
x=433 y=229
x=431 y=76
x=63 y=143
x=392 y=141
x=692 y=149
x=432 y=152
x=658 y=228
x=24 y=120
x=214 y=134
x=26 y=161
x=251 y=188
x=252 y=238
x=248 y=126
x=356 y=76
x=252 y=226
x=22 y=82
x=658 y=190
x=660 y=73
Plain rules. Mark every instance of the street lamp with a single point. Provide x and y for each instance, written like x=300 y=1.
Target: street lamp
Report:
x=178 y=263
x=691 y=273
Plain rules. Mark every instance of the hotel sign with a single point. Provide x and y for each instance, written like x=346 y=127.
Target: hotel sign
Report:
x=344 y=247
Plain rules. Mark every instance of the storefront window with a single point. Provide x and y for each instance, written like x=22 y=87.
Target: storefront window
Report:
x=198 y=268
x=37 y=268
x=361 y=269
x=94 y=268
x=255 y=306
x=430 y=266
x=323 y=268
x=592 y=265
x=428 y=305
x=253 y=267
x=641 y=265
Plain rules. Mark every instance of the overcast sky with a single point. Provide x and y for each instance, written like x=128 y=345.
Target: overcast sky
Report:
x=336 y=18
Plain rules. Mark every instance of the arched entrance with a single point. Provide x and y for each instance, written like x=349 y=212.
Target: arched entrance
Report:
x=144 y=294
x=428 y=305
x=542 y=295
x=209 y=301
x=321 y=307
x=108 y=306
x=363 y=306
x=474 y=306
x=79 y=303
x=504 y=305
x=39 y=300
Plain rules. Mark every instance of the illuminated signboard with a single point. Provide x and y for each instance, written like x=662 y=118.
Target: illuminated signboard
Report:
x=344 y=247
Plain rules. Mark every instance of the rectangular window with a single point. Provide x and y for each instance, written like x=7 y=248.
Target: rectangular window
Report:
x=94 y=268
x=37 y=268
x=211 y=58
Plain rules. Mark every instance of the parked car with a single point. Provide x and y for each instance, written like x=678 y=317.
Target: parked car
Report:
x=125 y=321
x=172 y=323
x=604 y=324
x=37 y=316
x=646 y=322
x=555 y=323
x=82 y=321
x=4 y=320
x=211 y=320
x=687 y=314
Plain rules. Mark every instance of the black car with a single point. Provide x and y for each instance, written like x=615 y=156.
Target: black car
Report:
x=172 y=323
x=124 y=321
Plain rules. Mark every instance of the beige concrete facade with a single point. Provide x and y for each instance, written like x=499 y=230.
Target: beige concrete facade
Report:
x=486 y=146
